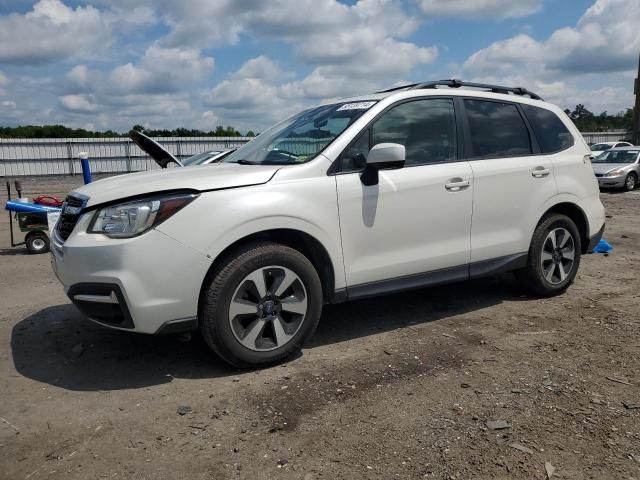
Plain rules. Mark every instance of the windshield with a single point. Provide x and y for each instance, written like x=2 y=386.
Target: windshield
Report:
x=598 y=147
x=199 y=158
x=301 y=137
x=617 y=156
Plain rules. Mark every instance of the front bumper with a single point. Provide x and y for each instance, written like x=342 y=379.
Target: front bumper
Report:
x=611 y=182
x=148 y=284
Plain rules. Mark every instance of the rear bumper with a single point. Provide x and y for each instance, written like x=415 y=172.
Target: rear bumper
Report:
x=593 y=241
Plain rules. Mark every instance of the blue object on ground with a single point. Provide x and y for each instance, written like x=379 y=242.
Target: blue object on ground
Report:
x=22 y=207
x=602 y=247
x=86 y=170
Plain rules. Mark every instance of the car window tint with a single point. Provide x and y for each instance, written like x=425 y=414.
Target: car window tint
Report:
x=496 y=129
x=551 y=133
x=427 y=129
x=354 y=158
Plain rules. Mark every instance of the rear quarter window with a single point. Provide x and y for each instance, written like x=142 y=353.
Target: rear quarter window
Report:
x=552 y=135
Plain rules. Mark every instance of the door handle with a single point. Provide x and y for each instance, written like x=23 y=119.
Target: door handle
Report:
x=540 y=172
x=456 y=184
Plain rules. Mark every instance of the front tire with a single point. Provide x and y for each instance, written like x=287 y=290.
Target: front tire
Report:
x=261 y=305
x=554 y=257
x=630 y=182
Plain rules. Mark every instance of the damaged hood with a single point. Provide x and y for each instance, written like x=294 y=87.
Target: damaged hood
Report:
x=215 y=176
x=161 y=155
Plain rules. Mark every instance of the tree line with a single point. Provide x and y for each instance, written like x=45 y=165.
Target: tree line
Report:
x=60 y=131
x=585 y=120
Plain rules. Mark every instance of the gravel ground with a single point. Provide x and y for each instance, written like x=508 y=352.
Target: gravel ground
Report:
x=473 y=380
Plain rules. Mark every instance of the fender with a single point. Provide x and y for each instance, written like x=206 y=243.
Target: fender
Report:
x=557 y=200
x=226 y=216
x=279 y=222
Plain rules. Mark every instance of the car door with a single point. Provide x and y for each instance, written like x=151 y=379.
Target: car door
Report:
x=511 y=180
x=412 y=227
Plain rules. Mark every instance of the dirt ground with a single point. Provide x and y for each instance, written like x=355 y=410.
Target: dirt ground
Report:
x=412 y=385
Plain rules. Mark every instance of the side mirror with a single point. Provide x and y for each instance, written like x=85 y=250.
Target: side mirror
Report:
x=382 y=156
x=387 y=155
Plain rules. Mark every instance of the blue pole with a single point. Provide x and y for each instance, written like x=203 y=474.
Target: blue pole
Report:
x=86 y=169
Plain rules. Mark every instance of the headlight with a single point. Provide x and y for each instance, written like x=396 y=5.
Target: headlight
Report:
x=614 y=173
x=136 y=217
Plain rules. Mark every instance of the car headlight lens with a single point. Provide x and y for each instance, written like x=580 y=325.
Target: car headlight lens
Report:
x=136 y=217
x=614 y=173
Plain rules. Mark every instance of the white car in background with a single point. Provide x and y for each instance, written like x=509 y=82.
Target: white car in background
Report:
x=598 y=148
x=418 y=185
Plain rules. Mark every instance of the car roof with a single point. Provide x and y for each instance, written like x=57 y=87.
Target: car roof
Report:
x=627 y=147
x=440 y=92
x=453 y=88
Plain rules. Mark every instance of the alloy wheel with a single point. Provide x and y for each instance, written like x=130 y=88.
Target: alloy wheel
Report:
x=558 y=255
x=268 y=308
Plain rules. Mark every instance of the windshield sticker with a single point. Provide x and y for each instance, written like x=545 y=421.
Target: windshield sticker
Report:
x=356 y=106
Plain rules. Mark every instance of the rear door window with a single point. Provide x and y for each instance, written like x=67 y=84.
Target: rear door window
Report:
x=496 y=129
x=552 y=135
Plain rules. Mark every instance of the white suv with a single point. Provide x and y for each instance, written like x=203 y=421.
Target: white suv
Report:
x=414 y=186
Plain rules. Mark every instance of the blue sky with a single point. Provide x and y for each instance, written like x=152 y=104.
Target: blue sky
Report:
x=247 y=63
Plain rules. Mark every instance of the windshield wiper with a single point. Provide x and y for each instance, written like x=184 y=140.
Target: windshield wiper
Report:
x=242 y=161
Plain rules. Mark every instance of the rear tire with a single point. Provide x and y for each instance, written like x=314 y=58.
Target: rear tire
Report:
x=37 y=242
x=630 y=182
x=250 y=313
x=554 y=257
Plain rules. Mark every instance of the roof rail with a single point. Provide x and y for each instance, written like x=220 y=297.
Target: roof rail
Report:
x=453 y=83
x=401 y=87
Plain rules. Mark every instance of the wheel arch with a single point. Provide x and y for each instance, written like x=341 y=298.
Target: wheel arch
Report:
x=301 y=241
x=575 y=213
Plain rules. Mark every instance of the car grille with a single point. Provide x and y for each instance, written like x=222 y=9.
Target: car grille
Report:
x=71 y=211
x=599 y=175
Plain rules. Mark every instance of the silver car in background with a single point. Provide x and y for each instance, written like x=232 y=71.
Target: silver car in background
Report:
x=618 y=168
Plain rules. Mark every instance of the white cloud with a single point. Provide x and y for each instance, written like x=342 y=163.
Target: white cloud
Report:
x=156 y=90
x=351 y=48
x=8 y=104
x=506 y=56
x=259 y=94
x=160 y=70
x=249 y=102
x=606 y=39
x=51 y=32
x=331 y=49
x=262 y=67
x=590 y=63
x=79 y=103
x=480 y=8
x=362 y=36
